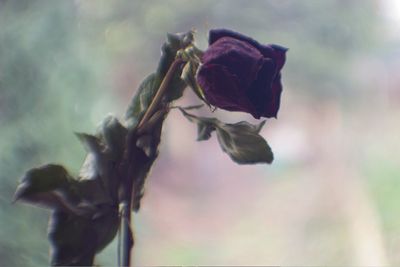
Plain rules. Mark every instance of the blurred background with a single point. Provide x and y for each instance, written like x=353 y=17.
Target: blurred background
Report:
x=332 y=195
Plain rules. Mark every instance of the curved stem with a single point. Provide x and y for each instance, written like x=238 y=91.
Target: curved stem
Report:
x=161 y=91
x=132 y=163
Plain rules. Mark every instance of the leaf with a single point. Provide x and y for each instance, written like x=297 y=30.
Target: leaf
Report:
x=177 y=87
x=114 y=135
x=174 y=40
x=93 y=194
x=205 y=126
x=189 y=76
x=142 y=99
x=92 y=143
x=106 y=226
x=101 y=163
x=191 y=107
x=75 y=239
x=72 y=240
x=85 y=211
x=84 y=219
x=168 y=56
x=241 y=141
x=243 y=144
x=204 y=131
x=151 y=84
x=48 y=187
x=97 y=164
x=43 y=179
x=148 y=143
x=143 y=146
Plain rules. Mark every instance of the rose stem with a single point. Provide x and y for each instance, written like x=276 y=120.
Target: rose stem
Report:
x=160 y=93
x=131 y=160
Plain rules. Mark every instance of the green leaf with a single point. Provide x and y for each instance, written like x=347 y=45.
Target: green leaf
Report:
x=143 y=145
x=49 y=187
x=84 y=220
x=205 y=126
x=241 y=141
x=105 y=151
x=142 y=99
x=191 y=107
x=75 y=239
x=174 y=40
x=151 y=84
x=204 y=131
x=148 y=143
x=179 y=41
x=169 y=51
x=114 y=135
x=243 y=144
x=98 y=163
x=43 y=179
x=93 y=194
x=85 y=212
x=92 y=143
x=189 y=76
x=106 y=226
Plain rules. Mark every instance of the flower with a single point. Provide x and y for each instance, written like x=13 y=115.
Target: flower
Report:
x=240 y=74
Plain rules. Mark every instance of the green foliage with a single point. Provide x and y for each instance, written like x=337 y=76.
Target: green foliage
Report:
x=85 y=211
x=149 y=138
x=146 y=91
x=145 y=154
x=47 y=185
x=99 y=165
x=189 y=76
x=84 y=219
x=150 y=85
x=241 y=141
x=76 y=239
x=114 y=134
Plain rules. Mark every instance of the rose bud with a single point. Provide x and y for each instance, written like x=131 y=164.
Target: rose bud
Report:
x=240 y=74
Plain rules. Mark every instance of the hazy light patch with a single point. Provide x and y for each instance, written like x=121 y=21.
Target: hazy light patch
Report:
x=391 y=11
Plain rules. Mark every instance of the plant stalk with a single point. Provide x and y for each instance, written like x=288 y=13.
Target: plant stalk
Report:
x=161 y=91
x=131 y=166
x=127 y=236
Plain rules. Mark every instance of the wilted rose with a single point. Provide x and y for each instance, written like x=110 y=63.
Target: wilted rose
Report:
x=240 y=74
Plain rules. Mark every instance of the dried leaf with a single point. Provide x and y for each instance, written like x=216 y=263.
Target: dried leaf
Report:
x=241 y=141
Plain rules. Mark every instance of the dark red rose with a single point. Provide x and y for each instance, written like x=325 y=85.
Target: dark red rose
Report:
x=239 y=74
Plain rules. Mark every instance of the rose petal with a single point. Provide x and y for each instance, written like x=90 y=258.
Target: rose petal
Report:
x=240 y=58
x=260 y=92
x=272 y=106
x=276 y=52
x=221 y=89
x=216 y=34
x=248 y=73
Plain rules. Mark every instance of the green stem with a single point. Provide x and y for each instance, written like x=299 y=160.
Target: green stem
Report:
x=132 y=164
x=161 y=91
x=127 y=237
